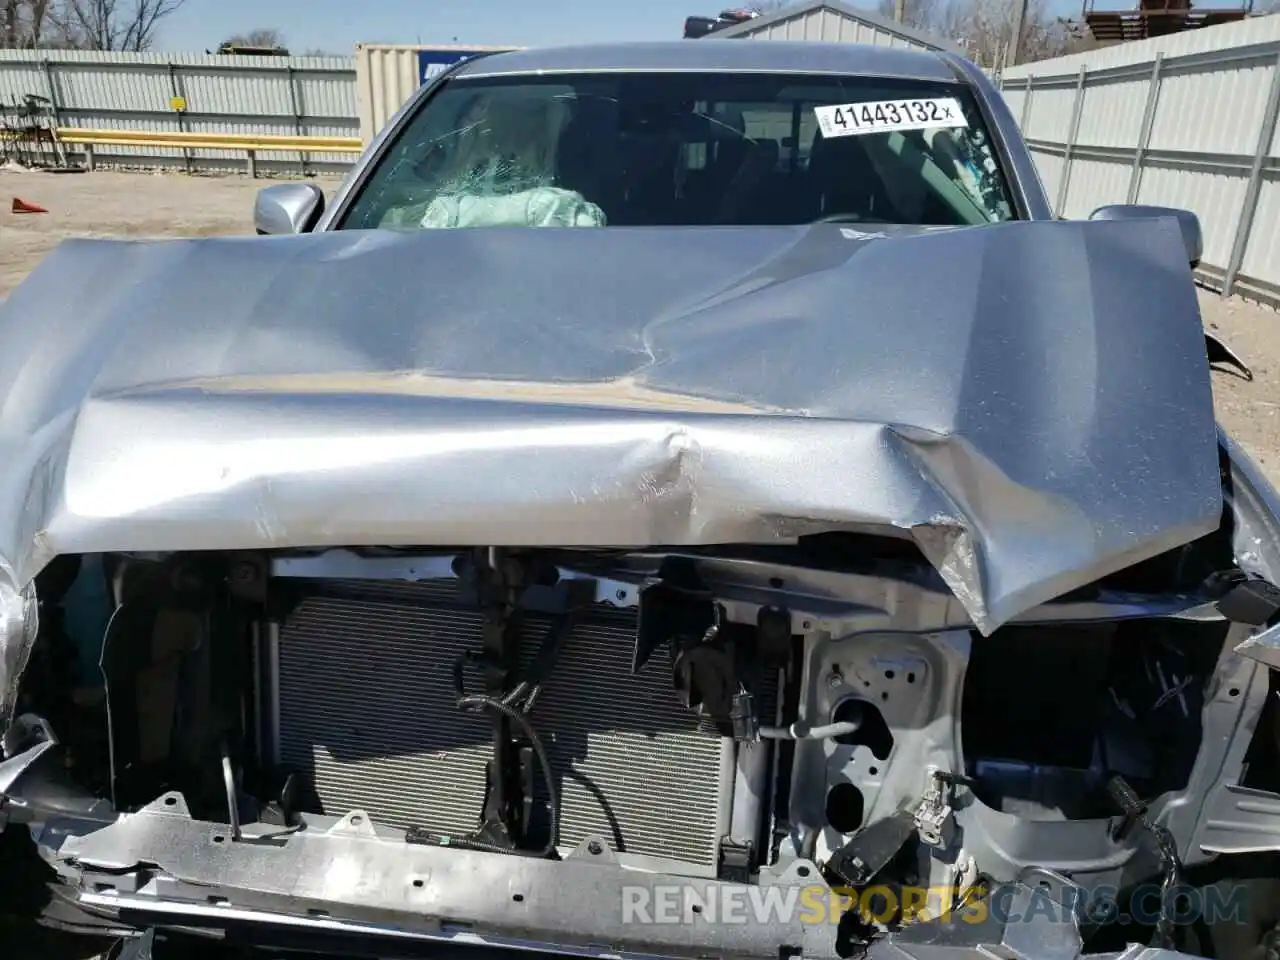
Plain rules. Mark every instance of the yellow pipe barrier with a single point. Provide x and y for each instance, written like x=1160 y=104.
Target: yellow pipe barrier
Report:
x=211 y=141
x=251 y=144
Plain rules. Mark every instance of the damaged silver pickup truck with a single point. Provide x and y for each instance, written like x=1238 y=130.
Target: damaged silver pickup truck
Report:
x=805 y=546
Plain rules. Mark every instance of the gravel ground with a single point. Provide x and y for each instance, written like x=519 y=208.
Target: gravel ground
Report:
x=114 y=204
x=1250 y=410
x=142 y=205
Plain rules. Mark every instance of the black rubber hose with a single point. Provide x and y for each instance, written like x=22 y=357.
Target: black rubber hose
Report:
x=1134 y=809
x=509 y=705
x=1166 y=927
x=477 y=703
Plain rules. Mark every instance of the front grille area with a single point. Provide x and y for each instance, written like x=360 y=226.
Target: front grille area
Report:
x=367 y=716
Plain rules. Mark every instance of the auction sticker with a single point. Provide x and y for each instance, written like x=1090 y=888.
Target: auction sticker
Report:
x=887 y=116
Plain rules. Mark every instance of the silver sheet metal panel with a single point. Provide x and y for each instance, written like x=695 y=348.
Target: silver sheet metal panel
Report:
x=1186 y=120
x=969 y=389
x=368 y=714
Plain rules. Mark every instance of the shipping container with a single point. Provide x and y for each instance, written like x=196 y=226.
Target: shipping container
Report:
x=388 y=74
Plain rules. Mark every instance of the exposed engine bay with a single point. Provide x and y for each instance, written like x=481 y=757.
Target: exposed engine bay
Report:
x=467 y=739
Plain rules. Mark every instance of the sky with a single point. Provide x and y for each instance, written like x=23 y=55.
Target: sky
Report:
x=336 y=26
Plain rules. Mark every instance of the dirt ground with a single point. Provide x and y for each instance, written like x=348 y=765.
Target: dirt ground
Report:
x=118 y=205
x=1249 y=410
x=168 y=204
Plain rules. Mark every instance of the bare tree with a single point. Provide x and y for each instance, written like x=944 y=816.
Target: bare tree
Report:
x=921 y=14
x=14 y=31
x=261 y=37
x=985 y=28
x=24 y=24
x=115 y=24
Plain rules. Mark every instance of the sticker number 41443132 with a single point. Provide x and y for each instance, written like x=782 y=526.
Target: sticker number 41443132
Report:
x=886 y=116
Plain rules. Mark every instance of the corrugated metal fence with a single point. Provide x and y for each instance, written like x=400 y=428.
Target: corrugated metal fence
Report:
x=192 y=93
x=1187 y=121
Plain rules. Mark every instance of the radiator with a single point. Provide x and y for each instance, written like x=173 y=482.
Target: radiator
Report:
x=367 y=718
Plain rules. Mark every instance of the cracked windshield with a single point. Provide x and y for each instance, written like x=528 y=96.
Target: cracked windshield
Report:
x=620 y=149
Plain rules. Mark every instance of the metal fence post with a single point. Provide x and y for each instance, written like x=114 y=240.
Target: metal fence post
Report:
x=1249 y=208
x=175 y=92
x=1076 y=109
x=1148 y=122
x=1026 y=105
x=55 y=108
x=295 y=101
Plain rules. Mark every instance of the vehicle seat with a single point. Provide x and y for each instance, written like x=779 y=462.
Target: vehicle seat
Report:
x=752 y=192
x=587 y=153
x=842 y=179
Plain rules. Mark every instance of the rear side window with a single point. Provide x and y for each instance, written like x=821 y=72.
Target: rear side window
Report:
x=669 y=149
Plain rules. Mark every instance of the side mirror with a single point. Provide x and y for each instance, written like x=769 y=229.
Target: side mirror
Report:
x=287 y=208
x=1188 y=222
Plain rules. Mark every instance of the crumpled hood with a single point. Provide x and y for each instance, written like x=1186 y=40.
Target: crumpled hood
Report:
x=1029 y=401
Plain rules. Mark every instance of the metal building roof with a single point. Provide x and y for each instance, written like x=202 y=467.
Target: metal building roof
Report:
x=873 y=20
